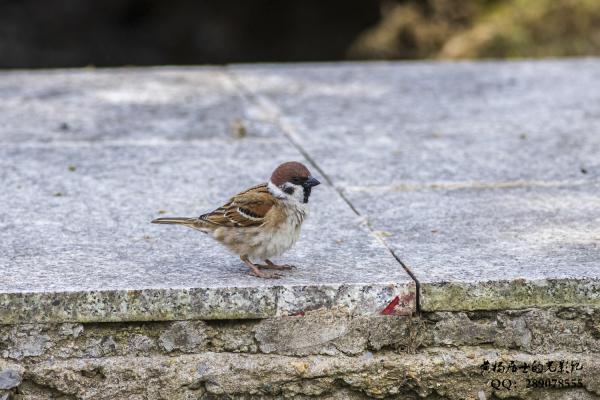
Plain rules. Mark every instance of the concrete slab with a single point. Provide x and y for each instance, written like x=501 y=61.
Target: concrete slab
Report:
x=483 y=177
x=77 y=243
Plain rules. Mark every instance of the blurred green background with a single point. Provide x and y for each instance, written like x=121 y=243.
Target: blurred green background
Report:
x=71 y=33
x=450 y=29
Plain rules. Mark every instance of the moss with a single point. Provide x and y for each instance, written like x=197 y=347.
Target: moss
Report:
x=516 y=294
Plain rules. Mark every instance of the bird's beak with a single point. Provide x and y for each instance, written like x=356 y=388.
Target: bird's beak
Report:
x=310 y=182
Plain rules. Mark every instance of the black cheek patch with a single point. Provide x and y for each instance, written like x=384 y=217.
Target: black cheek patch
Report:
x=288 y=190
x=306 y=194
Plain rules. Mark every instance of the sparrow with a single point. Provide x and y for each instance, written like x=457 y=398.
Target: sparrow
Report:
x=261 y=222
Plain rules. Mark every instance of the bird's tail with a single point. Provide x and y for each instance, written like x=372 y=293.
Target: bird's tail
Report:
x=175 y=220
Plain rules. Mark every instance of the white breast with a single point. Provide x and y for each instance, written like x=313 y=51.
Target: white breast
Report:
x=279 y=240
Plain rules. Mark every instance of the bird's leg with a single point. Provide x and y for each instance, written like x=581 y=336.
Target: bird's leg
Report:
x=254 y=271
x=272 y=265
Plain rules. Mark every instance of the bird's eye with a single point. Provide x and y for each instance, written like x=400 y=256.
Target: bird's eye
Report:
x=296 y=180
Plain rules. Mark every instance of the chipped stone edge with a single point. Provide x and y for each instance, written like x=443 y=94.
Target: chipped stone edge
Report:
x=352 y=299
x=509 y=294
x=217 y=303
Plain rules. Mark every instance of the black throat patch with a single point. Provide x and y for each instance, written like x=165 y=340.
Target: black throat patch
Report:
x=306 y=193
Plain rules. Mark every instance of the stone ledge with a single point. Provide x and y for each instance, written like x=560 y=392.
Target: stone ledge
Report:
x=208 y=303
x=89 y=158
x=493 y=167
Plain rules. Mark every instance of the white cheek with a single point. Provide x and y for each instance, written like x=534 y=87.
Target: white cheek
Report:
x=298 y=194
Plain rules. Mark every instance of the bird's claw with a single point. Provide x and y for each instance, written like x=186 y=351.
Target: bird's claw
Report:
x=271 y=265
x=265 y=275
x=286 y=266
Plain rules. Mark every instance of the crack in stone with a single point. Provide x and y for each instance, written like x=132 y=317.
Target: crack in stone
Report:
x=273 y=113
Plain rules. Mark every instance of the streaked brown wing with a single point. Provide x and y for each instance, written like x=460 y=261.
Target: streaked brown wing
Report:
x=246 y=209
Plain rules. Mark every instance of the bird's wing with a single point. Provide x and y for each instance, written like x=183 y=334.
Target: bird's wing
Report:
x=246 y=209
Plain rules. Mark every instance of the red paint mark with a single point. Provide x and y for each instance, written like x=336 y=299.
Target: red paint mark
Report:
x=389 y=309
x=298 y=314
x=403 y=301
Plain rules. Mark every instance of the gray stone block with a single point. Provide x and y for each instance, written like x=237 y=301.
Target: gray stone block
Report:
x=78 y=244
x=481 y=177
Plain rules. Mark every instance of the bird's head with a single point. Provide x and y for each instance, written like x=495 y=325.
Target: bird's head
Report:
x=293 y=180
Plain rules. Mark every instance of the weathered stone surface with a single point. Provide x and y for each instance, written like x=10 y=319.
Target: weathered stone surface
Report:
x=435 y=373
x=436 y=355
x=185 y=336
x=482 y=177
x=330 y=334
x=9 y=378
x=535 y=331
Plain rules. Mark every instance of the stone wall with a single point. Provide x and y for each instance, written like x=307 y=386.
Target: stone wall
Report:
x=323 y=355
x=464 y=199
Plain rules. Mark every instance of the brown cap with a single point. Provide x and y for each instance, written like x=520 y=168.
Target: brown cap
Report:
x=287 y=171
